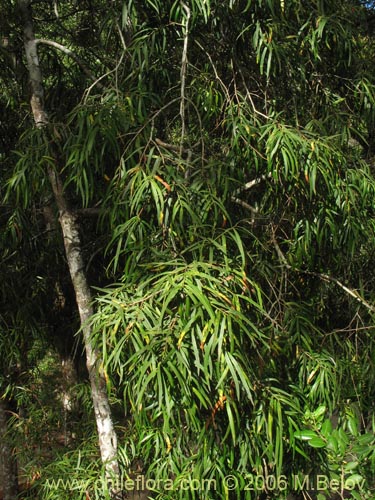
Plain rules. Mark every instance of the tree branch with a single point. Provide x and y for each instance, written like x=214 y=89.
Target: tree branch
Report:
x=252 y=183
x=183 y=73
x=243 y=204
x=71 y=54
x=171 y=147
x=322 y=276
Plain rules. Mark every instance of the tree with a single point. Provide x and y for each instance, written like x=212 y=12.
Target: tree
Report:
x=227 y=149
x=73 y=251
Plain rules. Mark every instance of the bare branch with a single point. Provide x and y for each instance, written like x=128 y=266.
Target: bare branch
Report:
x=55 y=9
x=97 y=81
x=248 y=95
x=322 y=276
x=171 y=147
x=252 y=209
x=246 y=187
x=252 y=183
x=349 y=291
x=183 y=73
x=71 y=54
x=31 y=51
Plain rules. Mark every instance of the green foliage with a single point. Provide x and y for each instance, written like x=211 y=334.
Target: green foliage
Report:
x=236 y=188
x=349 y=454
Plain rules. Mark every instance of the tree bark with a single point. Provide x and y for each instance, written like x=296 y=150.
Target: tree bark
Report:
x=8 y=464
x=73 y=252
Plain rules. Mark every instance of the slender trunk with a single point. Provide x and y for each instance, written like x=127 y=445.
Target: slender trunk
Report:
x=73 y=251
x=8 y=464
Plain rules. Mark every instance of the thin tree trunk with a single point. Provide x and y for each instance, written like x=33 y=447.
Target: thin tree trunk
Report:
x=8 y=464
x=73 y=251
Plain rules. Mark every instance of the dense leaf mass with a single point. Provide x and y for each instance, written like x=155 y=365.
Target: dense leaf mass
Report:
x=219 y=158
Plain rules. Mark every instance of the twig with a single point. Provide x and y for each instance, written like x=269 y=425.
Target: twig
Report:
x=248 y=95
x=322 y=276
x=183 y=73
x=123 y=41
x=114 y=70
x=215 y=71
x=55 y=9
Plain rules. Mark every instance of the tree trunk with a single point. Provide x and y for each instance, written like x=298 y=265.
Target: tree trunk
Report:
x=73 y=251
x=8 y=464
